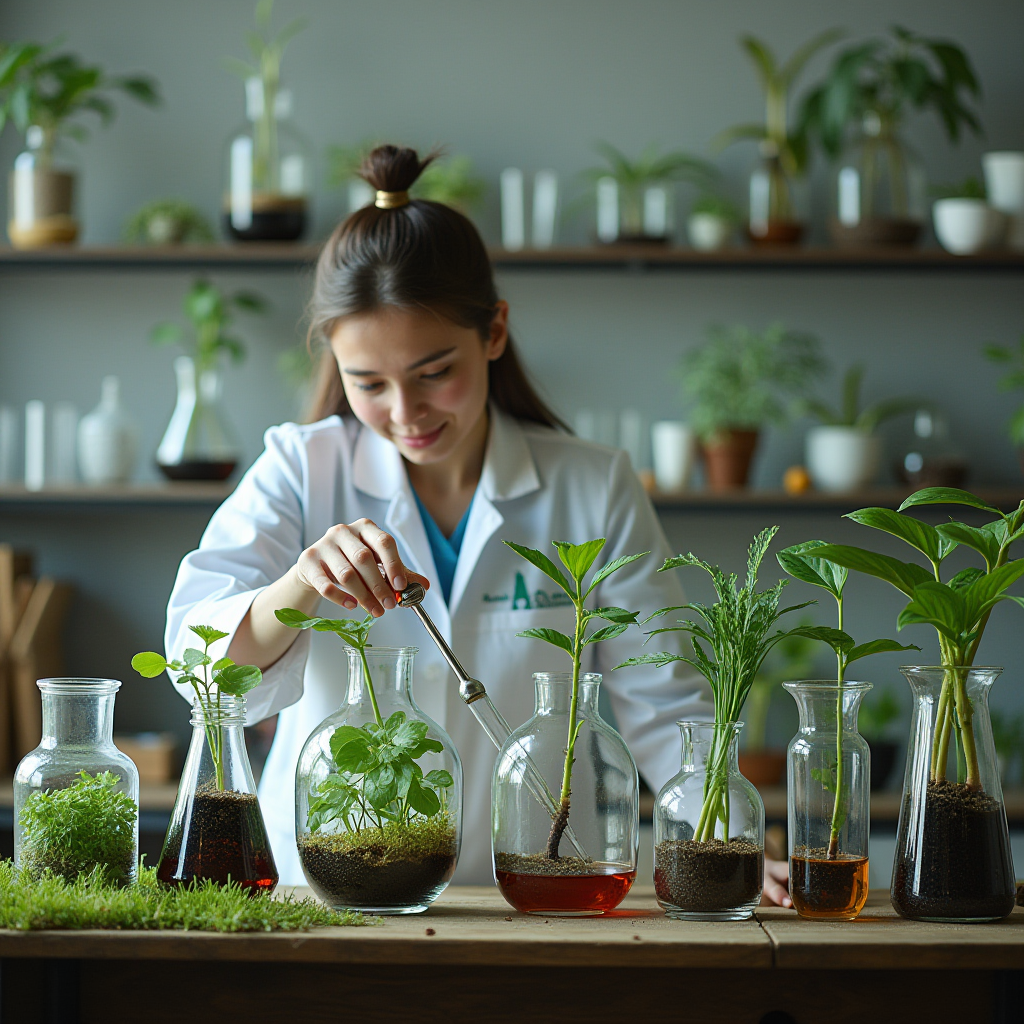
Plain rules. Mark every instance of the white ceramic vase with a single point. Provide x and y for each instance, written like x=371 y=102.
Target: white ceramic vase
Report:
x=107 y=439
x=1004 y=182
x=842 y=458
x=673 y=451
x=966 y=226
x=708 y=231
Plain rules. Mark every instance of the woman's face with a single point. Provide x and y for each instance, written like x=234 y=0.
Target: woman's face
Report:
x=416 y=378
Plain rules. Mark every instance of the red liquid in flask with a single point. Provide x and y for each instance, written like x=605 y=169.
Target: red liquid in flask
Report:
x=566 y=894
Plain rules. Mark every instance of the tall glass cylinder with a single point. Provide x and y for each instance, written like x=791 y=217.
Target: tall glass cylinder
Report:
x=953 y=859
x=41 y=206
x=217 y=831
x=829 y=782
x=709 y=831
x=378 y=794
x=76 y=796
x=590 y=866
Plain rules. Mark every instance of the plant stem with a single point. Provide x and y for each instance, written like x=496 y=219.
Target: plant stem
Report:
x=833 y=839
x=369 y=686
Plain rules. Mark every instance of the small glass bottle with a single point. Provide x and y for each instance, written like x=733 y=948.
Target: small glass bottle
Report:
x=699 y=874
x=594 y=864
x=380 y=844
x=42 y=193
x=828 y=837
x=73 y=834
x=776 y=215
x=217 y=831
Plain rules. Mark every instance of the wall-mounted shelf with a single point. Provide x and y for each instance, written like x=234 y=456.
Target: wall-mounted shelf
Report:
x=13 y=497
x=280 y=256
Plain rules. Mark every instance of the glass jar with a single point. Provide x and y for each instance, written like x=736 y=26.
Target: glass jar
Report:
x=879 y=188
x=928 y=455
x=217 y=831
x=700 y=875
x=76 y=796
x=42 y=194
x=776 y=200
x=268 y=184
x=953 y=858
x=635 y=214
x=199 y=442
x=828 y=832
x=593 y=864
x=382 y=842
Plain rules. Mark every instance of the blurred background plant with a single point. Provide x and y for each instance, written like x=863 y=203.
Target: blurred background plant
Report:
x=167 y=222
x=791 y=659
x=1008 y=735
x=1012 y=359
x=866 y=419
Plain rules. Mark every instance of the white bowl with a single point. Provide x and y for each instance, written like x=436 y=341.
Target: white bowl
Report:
x=841 y=458
x=708 y=231
x=965 y=226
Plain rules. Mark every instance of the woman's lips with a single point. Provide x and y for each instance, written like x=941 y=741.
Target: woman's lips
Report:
x=421 y=440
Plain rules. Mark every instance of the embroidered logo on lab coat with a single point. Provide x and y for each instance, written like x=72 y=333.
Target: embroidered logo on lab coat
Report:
x=522 y=601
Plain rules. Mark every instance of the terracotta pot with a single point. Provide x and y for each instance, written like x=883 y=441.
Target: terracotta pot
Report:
x=763 y=767
x=727 y=459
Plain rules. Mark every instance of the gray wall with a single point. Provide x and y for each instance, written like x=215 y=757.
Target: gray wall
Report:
x=531 y=84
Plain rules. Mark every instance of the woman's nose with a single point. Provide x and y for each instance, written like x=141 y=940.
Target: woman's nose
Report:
x=405 y=409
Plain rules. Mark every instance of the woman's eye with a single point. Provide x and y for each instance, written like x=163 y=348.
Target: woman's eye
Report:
x=437 y=374
x=369 y=387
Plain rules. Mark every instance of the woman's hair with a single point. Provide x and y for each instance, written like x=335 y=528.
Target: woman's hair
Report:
x=418 y=256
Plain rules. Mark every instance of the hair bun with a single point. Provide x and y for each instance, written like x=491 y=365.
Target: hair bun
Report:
x=393 y=169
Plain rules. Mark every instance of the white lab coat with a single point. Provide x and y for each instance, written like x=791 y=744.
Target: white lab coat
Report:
x=537 y=486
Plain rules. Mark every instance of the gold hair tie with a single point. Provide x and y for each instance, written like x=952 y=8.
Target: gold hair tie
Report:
x=391 y=200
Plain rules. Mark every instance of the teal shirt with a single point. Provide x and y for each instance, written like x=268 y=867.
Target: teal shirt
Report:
x=444 y=549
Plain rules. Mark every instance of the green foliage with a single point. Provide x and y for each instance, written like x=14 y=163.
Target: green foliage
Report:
x=792 y=658
x=1012 y=360
x=85 y=826
x=886 y=77
x=28 y=903
x=739 y=379
x=651 y=168
x=209 y=312
x=50 y=90
x=850 y=414
x=969 y=188
x=877 y=713
x=267 y=51
x=716 y=206
x=167 y=222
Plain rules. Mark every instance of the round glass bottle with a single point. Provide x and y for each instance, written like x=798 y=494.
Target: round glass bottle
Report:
x=41 y=206
x=217 y=830
x=588 y=868
x=829 y=782
x=76 y=796
x=267 y=195
x=953 y=858
x=704 y=871
x=378 y=794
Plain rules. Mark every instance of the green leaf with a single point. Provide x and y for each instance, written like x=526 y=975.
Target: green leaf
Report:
x=606 y=633
x=149 y=664
x=439 y=777
x=423 y=800
x=238 y=679
x=904 y=576
x=802 y=563
x=425 y=745
x=347 y=734
x=192 y=658
x=166 y=334
x=605 y=571
x=922 y=536
x=614 y=615
x=578 y=558
x=877 y=647
x=981 y=594
x=551 y=636
x=393 y=723
x=208 y=634
x=660 y=660
x=410 y=734
x=936 y=605
x=354 y=756
x=826 y=776
x=380 y=787
x=965 y=578
x=946 y=496
x=981 y=541
x=546 y=566
x=839 y=641
x=222 y=663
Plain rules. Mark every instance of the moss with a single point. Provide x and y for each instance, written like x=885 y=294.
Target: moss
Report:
x=422 y=837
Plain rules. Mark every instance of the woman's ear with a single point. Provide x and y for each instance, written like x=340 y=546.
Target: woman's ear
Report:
x=499 y=331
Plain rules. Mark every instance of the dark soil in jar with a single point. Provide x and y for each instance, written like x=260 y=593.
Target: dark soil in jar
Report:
x=827 y=888
x=394 y=866
x=962 y=863
x=542 y=864
x=708 y=876
x=223 y=839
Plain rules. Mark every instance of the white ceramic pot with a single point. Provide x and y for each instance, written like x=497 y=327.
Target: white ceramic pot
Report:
x=1004 y=182
x=965 y=226
x=842 y=458
x=107 y=439
x=673 y=452
x=708 y=231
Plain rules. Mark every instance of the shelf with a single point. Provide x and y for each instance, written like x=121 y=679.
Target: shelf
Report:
x=285 y=255
x=199 y=494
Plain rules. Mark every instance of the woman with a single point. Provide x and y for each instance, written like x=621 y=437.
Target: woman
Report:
x=428 y=448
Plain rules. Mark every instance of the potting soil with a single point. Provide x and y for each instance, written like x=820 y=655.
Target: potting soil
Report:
x=703 y=877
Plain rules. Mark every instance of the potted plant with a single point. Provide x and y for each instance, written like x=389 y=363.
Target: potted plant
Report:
x=378 y=788
x=712 y=222
x=582 y=760
x=709 y=819
x=877 y=715
x=216 y=831
x=879 y=183
x=199 y=443
x=964 y=222
x=268 y=182
x=1011 y=359
x=775 y=217
x=952 y=849
x=44 y=94
x=634 y=197
x=167 y=222
x=845 y=452
x=737 y=383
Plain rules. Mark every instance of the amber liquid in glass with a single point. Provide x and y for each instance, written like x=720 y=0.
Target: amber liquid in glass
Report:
x=829 y=889
x=563 y=895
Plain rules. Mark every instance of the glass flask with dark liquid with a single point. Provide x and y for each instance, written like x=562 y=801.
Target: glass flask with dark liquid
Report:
x=217 y=830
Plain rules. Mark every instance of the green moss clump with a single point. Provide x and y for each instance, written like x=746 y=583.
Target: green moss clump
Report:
x=32 y=903
x=87 y=825
x=395 y=840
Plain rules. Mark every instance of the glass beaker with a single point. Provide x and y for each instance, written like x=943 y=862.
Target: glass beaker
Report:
x=829 y=781
x=76 y=796
x=382 y=840
x=953 y=859
x=699 y=875
x=42 y=193
x=591 y=872
x=217 y=830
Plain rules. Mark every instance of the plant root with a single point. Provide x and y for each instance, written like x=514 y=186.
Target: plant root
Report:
x=558 y=826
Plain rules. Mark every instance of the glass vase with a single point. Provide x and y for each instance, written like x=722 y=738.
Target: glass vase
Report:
x=199 y=442
x=588 y=868
x=776 y=216
x=635 y=214
x=953 y=858
x=828 y=831
x=703 y=870
x=879 y=189
x=268 y=186
x=379 y=842
x=217 y=831
x=76 y=796
x=41 y=203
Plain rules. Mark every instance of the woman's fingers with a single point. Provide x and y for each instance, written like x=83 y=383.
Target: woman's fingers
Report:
x=385 y=552
x=776 y=879
x=317 y=574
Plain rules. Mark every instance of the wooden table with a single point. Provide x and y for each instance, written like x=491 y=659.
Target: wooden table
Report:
x=472 y=958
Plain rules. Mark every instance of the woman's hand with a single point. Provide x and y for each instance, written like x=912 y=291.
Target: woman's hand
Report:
x=776 y=884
